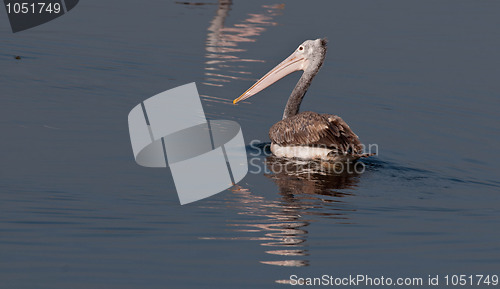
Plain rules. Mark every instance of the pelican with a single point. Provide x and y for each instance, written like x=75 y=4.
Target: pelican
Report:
x=307 y=135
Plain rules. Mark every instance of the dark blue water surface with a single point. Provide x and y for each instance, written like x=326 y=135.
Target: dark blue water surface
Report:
x=419 y=79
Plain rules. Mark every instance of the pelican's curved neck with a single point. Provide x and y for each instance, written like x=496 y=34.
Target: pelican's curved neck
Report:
x=293 y=105
x=315 y=62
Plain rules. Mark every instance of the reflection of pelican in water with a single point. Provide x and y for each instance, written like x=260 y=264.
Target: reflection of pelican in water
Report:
x=280 y=225
x=307 y=135
x=301 y=179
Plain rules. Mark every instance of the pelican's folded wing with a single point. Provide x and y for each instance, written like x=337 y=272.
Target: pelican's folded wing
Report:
x=313 y=129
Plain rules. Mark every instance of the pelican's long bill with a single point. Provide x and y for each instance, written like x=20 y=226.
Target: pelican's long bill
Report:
x=293 y=63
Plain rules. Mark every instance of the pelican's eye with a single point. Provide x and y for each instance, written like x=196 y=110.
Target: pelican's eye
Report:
x=301 y=48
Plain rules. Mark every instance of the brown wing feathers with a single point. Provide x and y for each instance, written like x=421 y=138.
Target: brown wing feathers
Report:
x=313 y=129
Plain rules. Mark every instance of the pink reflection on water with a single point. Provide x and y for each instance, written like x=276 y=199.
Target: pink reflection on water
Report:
x=223 y=63
x=281 y=225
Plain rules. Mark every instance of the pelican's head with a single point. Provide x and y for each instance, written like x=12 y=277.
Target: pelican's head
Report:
x=308 y=57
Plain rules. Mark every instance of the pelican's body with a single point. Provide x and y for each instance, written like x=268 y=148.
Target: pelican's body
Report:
x=307 y=135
